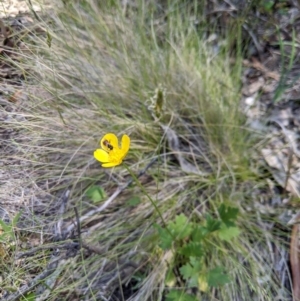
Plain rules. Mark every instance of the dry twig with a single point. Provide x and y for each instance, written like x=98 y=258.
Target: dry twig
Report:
x=90 y=213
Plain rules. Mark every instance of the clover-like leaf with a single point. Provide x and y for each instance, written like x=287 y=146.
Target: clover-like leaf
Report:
x=192 y=249
x=190 y=271
x=217 y=277
x=228 y=215
x=180 y=228
x=96 y=194
x=228 y=233
x=165 y=237
x=212 y=224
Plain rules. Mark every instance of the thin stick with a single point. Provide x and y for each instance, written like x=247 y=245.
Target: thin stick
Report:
x=110 y=199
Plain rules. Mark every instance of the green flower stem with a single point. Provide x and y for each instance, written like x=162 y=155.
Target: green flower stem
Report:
x=148 y=196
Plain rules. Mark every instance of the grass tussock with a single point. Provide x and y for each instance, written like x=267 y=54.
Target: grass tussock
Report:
x=98 y=71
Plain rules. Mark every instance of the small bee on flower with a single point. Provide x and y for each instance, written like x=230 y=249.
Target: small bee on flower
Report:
x=108 y=145
x=111 y=154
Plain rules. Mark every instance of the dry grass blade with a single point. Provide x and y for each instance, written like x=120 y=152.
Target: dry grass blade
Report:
x=174 y=146
x=295 y=262
x=95 y=76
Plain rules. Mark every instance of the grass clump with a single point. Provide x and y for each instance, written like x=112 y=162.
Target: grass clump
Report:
x=146 y=70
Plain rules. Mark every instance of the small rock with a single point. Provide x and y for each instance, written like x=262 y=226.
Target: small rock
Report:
x=250 y=100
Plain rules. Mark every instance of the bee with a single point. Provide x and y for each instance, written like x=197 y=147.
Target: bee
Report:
x=108 y=145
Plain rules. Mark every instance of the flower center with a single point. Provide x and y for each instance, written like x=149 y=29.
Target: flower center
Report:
x=115 y=155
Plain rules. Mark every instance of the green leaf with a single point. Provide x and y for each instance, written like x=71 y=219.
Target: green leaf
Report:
x=138 y=278
x=212 y=224
x=180 y=228
x=198 y=233
x=5 y=227
x=228 y=233
x=134 y=201
x=176 y=295
x=268 y=5
x=170 y=279
x=192 y=249
x=165 y=238
x=16 y=219
x=177 y=230
x=190 y=271
x=217 y=277
x=29 y=297
x=228 y=215
x=96 y=194
x=8 y=232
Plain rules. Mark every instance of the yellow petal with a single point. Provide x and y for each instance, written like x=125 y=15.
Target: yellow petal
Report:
x=111 y=164
x=125 y=145
x=101 y=155
x=111 y=139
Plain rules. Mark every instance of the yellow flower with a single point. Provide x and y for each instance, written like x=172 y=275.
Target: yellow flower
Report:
x=110 y=153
